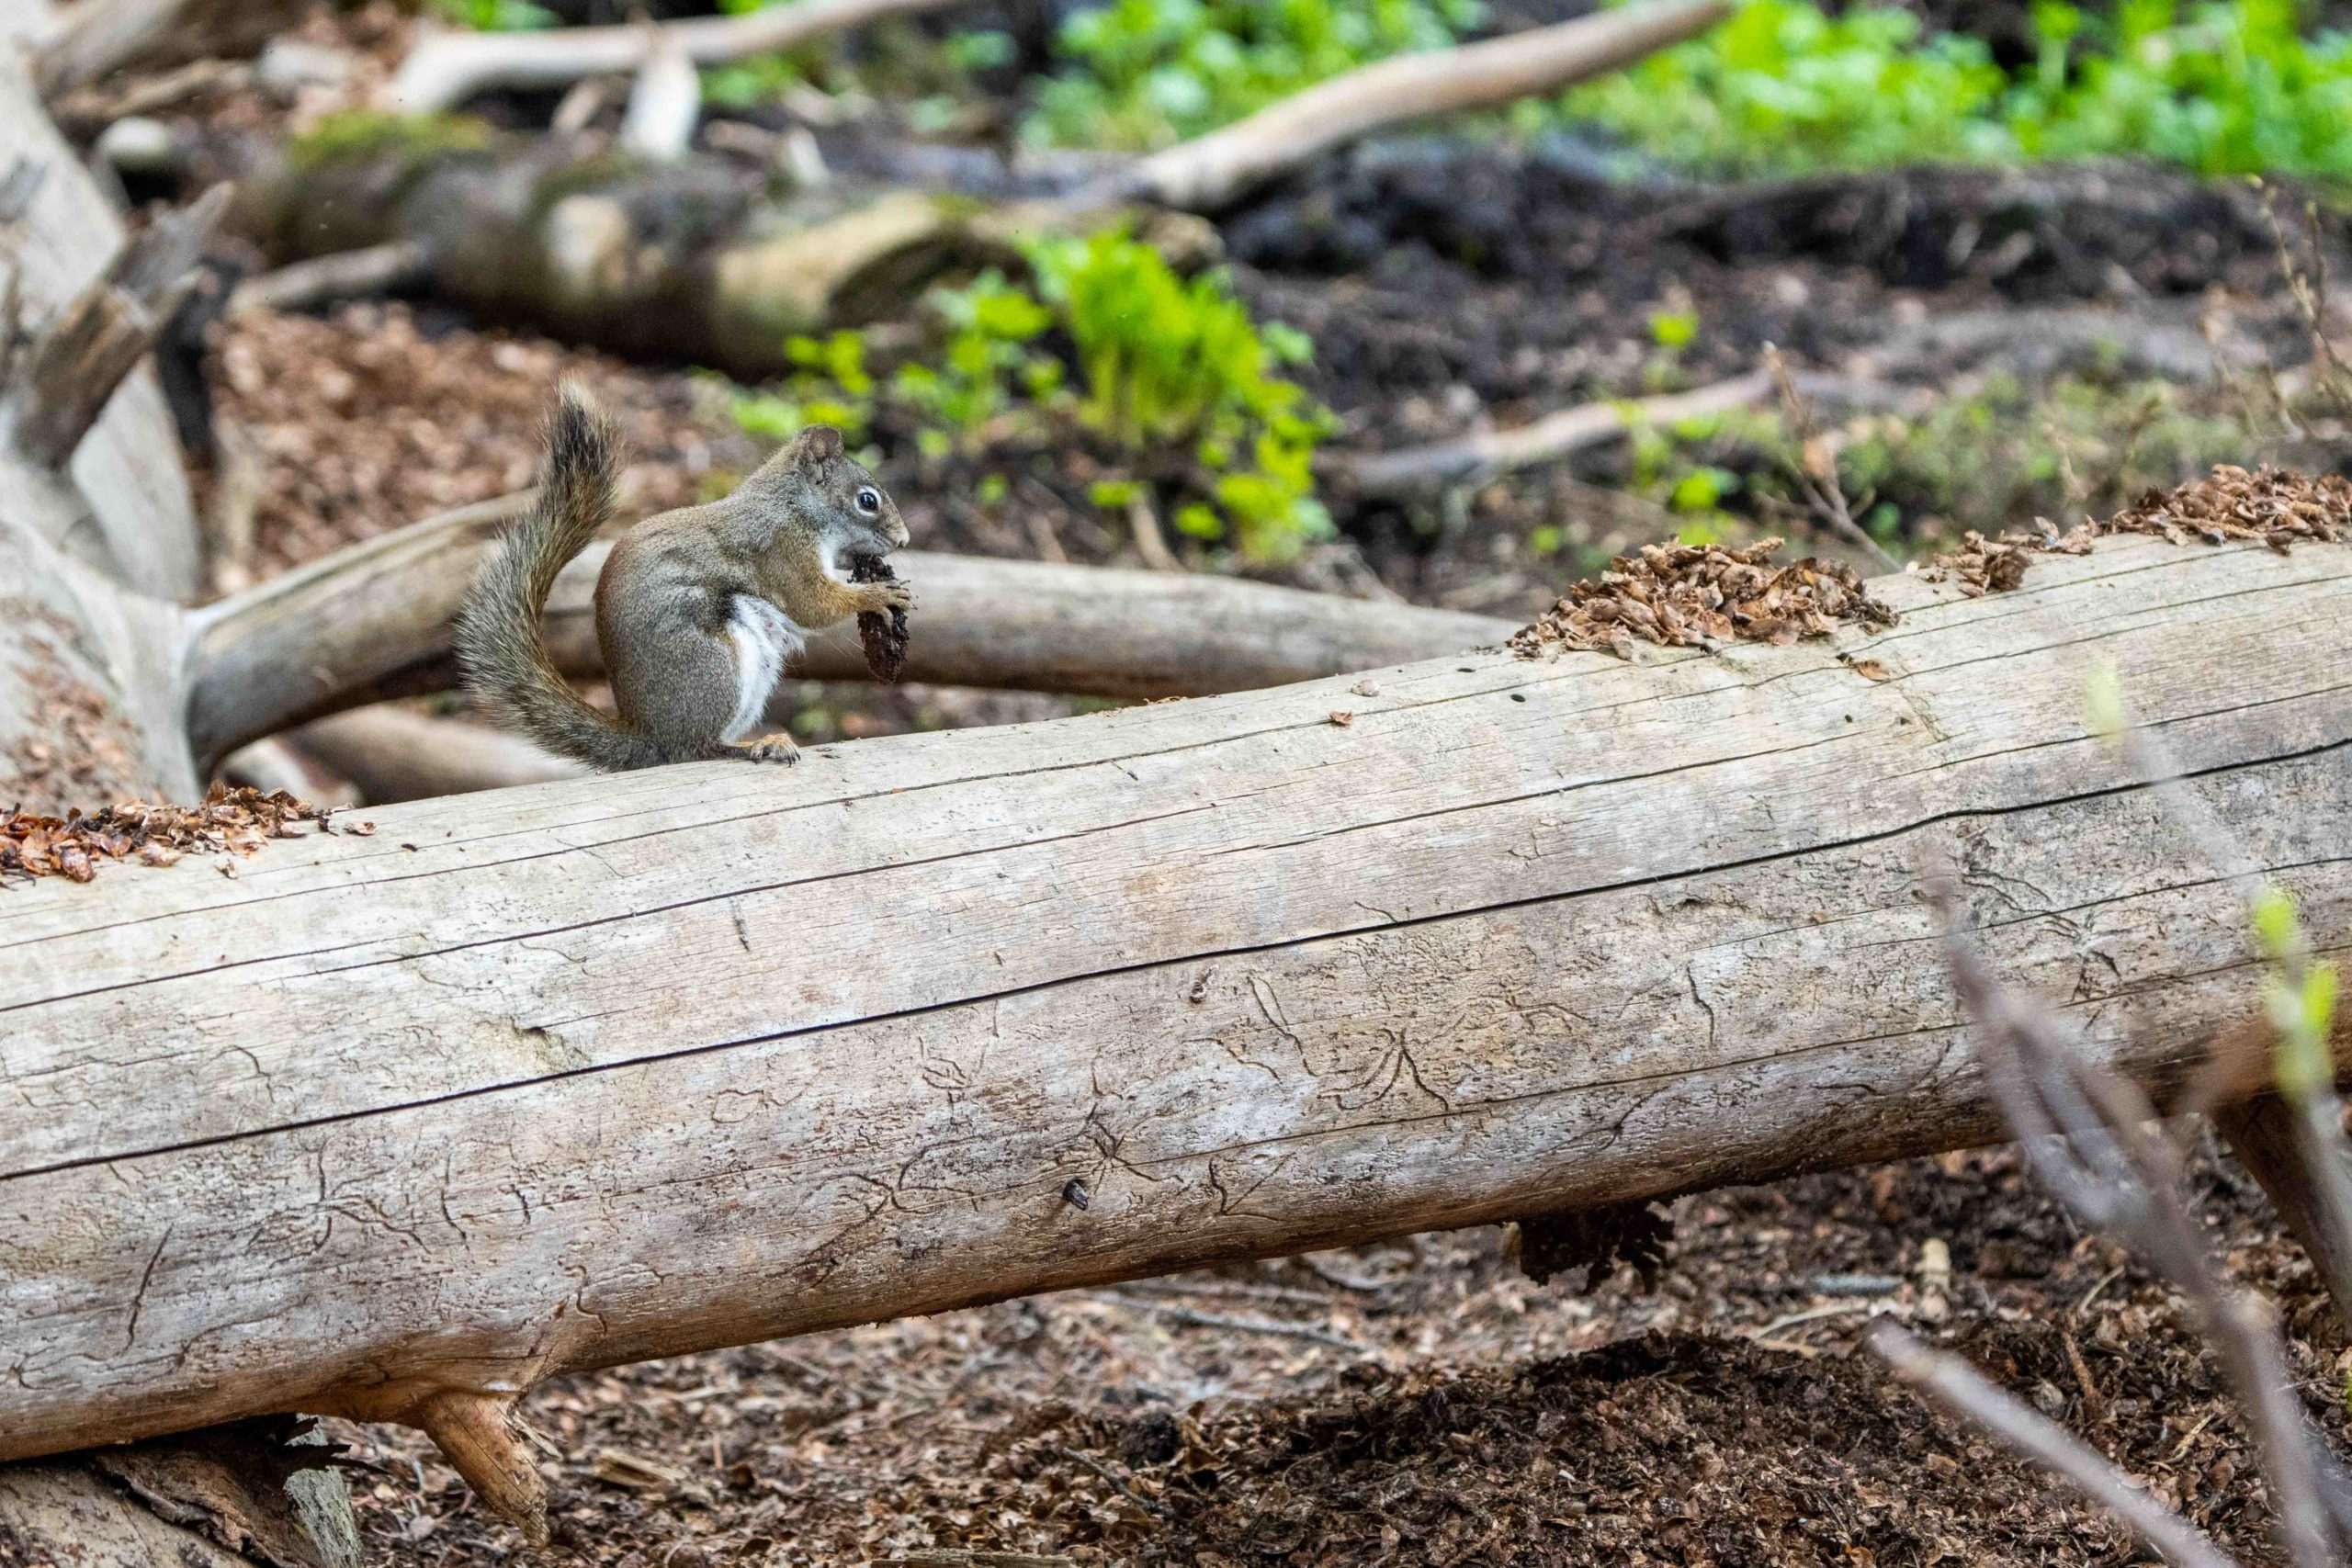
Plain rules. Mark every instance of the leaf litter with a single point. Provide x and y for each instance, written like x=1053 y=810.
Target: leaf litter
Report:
x=2230 y=505
x=230 y=820
x=1702 y=596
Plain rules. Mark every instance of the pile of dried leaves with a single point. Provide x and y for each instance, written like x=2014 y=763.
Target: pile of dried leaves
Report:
x=238 y=820
x=2269 y=505
x=1699 y=595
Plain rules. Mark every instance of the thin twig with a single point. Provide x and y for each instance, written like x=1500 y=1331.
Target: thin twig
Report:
x=1956 y=1386
x=1828 y=496
x=1191 y=1318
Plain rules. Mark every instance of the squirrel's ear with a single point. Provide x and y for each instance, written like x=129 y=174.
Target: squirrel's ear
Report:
x=817 y=448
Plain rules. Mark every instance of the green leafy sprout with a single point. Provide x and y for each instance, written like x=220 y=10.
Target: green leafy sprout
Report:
x=1105 y=336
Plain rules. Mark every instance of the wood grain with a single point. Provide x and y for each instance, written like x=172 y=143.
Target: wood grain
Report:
x=585 y=1073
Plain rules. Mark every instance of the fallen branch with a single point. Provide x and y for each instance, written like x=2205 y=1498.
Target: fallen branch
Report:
x=122 y=502
x=1961 y=1391
x=446 y=68
x=345 y=274
x=392 y=754
x=1488 y=453
x=373 y=622
x=642 y=1064
x=1213 y=171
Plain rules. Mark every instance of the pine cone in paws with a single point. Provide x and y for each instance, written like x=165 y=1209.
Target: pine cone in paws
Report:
x=884 y=632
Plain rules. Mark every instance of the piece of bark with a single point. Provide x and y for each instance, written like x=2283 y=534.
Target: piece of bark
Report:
x=659 y=1061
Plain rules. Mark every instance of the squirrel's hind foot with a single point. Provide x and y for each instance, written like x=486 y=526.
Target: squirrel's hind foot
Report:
x=766 y=749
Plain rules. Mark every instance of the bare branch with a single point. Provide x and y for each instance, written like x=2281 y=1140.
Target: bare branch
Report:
x=345 y=274
x=1213 y=171
x=446 y=68
x=2088 y=1135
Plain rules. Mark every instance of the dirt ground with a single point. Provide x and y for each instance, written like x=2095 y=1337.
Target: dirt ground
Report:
x=1425 y=1402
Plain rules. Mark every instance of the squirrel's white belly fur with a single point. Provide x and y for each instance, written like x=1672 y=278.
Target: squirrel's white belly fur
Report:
x=765 y=638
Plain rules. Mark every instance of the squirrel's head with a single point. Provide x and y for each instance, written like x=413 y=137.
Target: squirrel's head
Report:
x=814 y=482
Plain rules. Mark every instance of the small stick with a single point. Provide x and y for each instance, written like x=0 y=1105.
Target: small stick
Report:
x=1193 y=1319
x=1827 y=495
x=345 y=274
x=1950 y=1384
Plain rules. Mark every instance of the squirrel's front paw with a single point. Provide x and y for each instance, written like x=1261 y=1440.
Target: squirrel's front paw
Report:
x=767 y=748
x=892 y=596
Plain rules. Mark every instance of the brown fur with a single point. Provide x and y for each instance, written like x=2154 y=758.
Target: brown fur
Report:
x=667 y=594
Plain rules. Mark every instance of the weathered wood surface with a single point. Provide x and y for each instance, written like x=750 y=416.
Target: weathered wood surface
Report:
x=584 y=1073
x=94 y=518
x=128 y=472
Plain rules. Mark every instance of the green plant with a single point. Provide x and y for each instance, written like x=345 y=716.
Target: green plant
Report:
x=1784 y=86
x=497 y=15
x=830 y=385
x=1165 y=360
x=1169 y=372
x=1146 y=72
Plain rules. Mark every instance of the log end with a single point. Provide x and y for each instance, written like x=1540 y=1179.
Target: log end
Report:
x=484 y=1440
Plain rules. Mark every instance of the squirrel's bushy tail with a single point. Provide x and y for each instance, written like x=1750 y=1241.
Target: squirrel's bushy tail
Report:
x=500 y=646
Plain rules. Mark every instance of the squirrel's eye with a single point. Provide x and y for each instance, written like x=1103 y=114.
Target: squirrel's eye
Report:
x=869 y=500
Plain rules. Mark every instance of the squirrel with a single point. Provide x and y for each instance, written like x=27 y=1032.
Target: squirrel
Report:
x=698 y=609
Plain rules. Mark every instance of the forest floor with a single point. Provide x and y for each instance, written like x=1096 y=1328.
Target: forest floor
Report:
x=1424 y=1401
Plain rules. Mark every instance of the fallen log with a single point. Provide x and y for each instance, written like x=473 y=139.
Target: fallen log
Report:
x=394 y=1126
x=695 y=259
x=94 y=508
x=373 y=622
x=392 y=754
x=122 y=500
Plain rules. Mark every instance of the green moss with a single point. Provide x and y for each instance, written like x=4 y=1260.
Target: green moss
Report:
x=372 y=133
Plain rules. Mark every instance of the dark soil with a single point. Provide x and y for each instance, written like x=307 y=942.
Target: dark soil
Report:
x=1424 y=1403
x=1418 y=266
